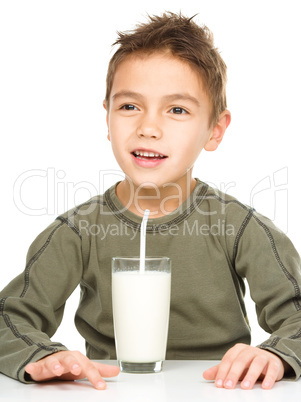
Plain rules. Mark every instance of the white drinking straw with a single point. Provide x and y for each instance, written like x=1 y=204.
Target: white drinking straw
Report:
x=143 y=240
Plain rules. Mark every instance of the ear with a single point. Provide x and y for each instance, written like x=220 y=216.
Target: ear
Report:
x=104 y=103
x=218 y=131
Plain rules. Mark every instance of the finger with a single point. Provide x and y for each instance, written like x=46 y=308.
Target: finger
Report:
x=210 y=374
x=78 y=366
x=44 y=369
x=236 y=371
x=225 y=366
x=222 y=372
x=274 y=373
x=106 y=370
x=70 y=364
x=93 y=375
x=34 y=371
x=94 y=371
x=256 y=368
x=52 y=366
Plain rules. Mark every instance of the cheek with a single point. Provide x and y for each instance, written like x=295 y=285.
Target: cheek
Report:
x=116 y=133
x=113 y=127
x=121 y=129
x=190 y=155
x=191 y=141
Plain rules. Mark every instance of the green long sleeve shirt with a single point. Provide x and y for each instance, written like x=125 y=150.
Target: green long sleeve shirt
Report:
x=215 y=243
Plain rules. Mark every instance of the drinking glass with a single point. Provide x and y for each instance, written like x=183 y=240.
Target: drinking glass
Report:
x=141 y=303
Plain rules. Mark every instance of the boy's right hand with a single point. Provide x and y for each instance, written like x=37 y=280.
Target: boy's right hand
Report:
x=67 y=365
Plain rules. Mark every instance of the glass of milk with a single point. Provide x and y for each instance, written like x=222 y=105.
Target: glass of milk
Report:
x=141 y=301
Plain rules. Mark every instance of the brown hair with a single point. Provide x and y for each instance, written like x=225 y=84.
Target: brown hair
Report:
x=184 y=39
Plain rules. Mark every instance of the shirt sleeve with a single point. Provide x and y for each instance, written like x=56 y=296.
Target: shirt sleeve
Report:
x=268 y=260
x=32 y=305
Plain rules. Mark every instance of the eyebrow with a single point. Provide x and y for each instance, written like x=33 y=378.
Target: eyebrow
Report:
x=171 y=97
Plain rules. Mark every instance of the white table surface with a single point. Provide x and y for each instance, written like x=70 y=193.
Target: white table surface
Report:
x=179 y=381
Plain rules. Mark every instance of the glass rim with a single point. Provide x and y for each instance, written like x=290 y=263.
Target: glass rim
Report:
x=138 y=258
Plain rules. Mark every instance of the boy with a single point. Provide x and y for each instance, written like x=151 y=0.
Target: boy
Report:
x=165 y=102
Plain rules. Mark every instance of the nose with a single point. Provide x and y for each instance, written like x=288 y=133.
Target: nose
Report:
x=149 y=128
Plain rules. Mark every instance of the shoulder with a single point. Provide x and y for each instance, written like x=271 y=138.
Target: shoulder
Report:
x=88 y=211
x=217 y=202
x=86 y=207
x=221 y=197
x=233 y=209
x=247 y=221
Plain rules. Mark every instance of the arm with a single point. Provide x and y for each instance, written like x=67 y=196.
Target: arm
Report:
x=32 y=305
x=268 y=260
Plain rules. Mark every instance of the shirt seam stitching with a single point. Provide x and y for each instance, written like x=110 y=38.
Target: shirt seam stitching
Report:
x=288 y=275
x=200 y=196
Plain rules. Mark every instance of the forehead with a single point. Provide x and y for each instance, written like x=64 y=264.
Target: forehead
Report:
x=159 y=73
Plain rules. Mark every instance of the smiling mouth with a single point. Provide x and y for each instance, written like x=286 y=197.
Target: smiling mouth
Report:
x=148 y=155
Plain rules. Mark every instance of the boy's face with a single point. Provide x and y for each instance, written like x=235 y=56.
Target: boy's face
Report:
x=158 y=119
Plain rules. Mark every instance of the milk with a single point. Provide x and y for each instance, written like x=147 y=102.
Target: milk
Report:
x=141 y=315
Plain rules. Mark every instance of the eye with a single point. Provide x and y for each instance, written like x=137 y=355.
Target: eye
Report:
x=178 y=110
x=128 y=107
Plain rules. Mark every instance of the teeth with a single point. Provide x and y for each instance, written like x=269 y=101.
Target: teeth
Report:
x=148 y=154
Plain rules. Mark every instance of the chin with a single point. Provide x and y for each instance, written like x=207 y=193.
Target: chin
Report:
x=147 y=184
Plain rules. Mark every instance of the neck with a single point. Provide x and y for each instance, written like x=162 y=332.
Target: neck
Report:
x=160 y=201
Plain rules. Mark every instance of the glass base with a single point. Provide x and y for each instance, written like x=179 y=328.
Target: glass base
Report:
x=143 y=368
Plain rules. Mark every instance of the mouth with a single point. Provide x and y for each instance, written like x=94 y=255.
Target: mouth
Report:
x=148 y=155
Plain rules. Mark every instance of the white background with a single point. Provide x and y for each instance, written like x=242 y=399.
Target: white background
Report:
x=54 y=56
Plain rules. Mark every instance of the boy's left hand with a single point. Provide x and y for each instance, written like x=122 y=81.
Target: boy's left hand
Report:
x=248 y=364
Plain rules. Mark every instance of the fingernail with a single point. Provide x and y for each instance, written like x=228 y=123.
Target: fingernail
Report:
x=219 y=383
x=246 y=384
x=57 y=367
x=229 y=384
x=266 y=384
x=100 y=385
